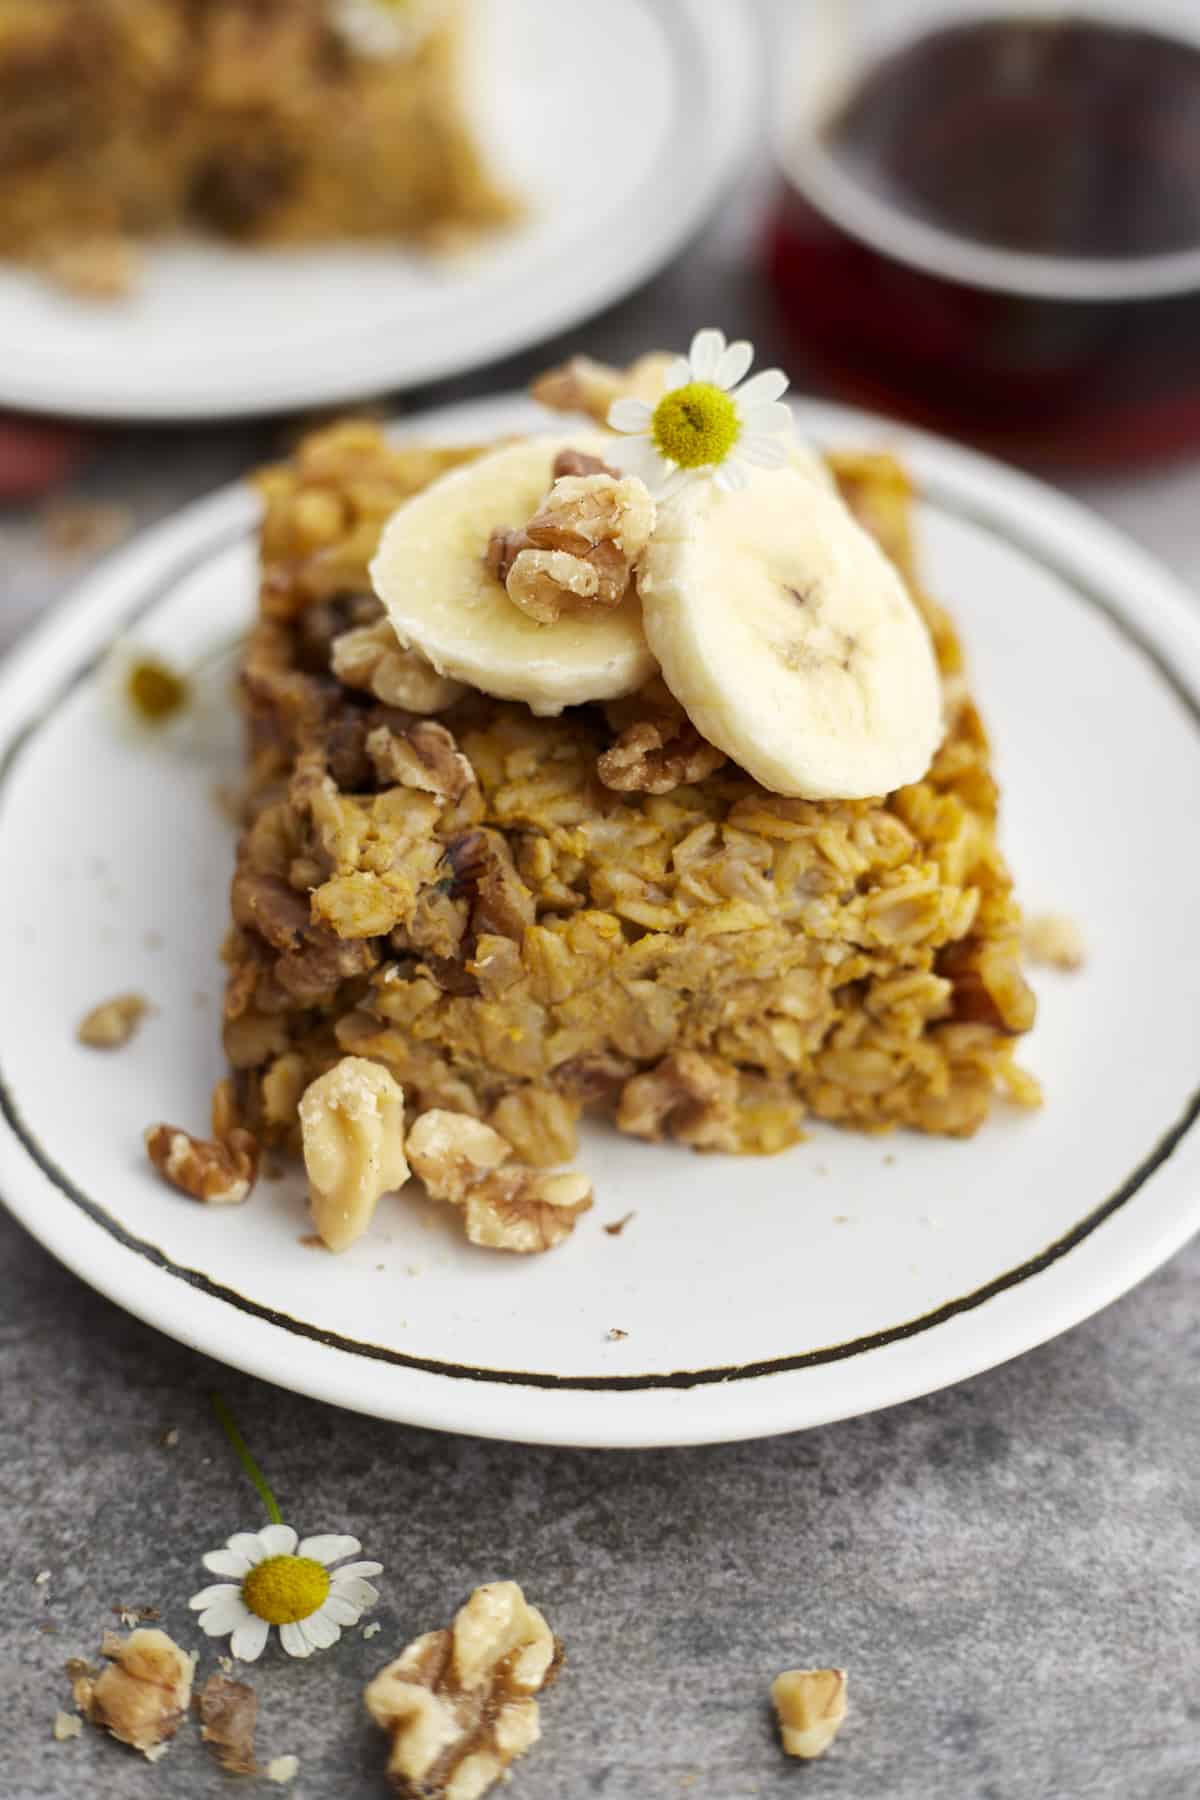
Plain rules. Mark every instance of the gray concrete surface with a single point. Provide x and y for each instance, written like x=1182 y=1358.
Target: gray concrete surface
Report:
x=1008 y=1569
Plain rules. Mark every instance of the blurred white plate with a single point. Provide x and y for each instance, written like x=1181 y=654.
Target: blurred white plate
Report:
x=757 y=1296
x=620 y=123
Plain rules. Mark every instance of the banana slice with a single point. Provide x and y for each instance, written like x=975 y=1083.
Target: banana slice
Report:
x=790 y=639
x=430 y=574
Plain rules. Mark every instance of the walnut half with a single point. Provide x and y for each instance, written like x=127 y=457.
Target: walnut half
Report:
x=505 y=1206
x=352 y=1131
x=810 y=1705
x=578 y=551
x=371 y=657
x=657 y=748
x=143 y=1696
x=459 y=1704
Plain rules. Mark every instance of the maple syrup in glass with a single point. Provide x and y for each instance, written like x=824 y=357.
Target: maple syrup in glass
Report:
x=992 y=227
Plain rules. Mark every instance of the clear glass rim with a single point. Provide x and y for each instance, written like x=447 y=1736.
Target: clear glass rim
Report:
x=834 y=192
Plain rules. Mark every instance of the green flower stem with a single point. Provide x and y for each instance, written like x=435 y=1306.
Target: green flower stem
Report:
x=241 y=1451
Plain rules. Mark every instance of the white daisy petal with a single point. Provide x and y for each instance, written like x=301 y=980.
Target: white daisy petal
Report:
x=278 y=1540
x=637 y=456
x=630 y=415
x=731 y=477
x=209 y=1596
x=356 y=1569
x=321 y=1631
x=294 y=1640
x=679 y=373
x=225 y=1616
x=707 y=349
x=341 y=1610
x=734 y=364
x=329 y=1547
x=763 y=452
x=227 y=1562
x=774 y=417
x=249 y=1640
x=668 y=486
x=246 y=1543
x=359 y=1593
x=767 y=385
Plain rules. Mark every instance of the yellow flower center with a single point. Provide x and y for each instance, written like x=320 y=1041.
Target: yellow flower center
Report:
x=695 y=426
x=155 y=692
x=286 y=1588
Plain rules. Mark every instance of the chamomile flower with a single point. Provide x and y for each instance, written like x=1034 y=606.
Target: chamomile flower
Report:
x=275 y=1579
x=383 y=28
x=711 y=422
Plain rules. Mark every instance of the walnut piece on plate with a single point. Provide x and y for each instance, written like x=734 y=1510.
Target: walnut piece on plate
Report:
x=810 y=1705
x=459 y=1703
x=505 y=1206
x=352 y=1131
x=582 y=385
x=1055 y=940
x=691 y=1097
x=142 y=1697
x=112 y=1023
x=218 y=1171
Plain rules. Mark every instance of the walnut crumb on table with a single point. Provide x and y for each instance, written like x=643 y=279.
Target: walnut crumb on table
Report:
x=66 y=1725
x=228 y=1716
x=810 y=1705
x=458 y=1704
x=282 y=1769
x=142 y=1697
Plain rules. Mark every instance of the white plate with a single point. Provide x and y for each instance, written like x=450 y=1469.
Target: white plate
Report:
x=758 y=1296
x=620 y=124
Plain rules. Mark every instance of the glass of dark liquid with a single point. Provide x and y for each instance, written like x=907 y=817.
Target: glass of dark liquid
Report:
x=991 y=219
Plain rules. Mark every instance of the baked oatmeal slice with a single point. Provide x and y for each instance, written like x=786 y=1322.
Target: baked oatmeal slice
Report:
x=449 y=885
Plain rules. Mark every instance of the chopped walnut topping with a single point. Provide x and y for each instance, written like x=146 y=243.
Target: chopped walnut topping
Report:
x=657 y=747
x=220 y=1171
x=810 y=1705
x=1055 y=940
x=582 y=385
x=228 y=1715
x=459 y=1704
x=352 y=1129
x=142 y=1697
x=425 y=757
x=502 y=905
x=578 y=462
x=505 y=1206
x=579 y=548
x=650 y=758
x=690 y=1097
x=371 y=657
x=545 y=583
x=112 y=1023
